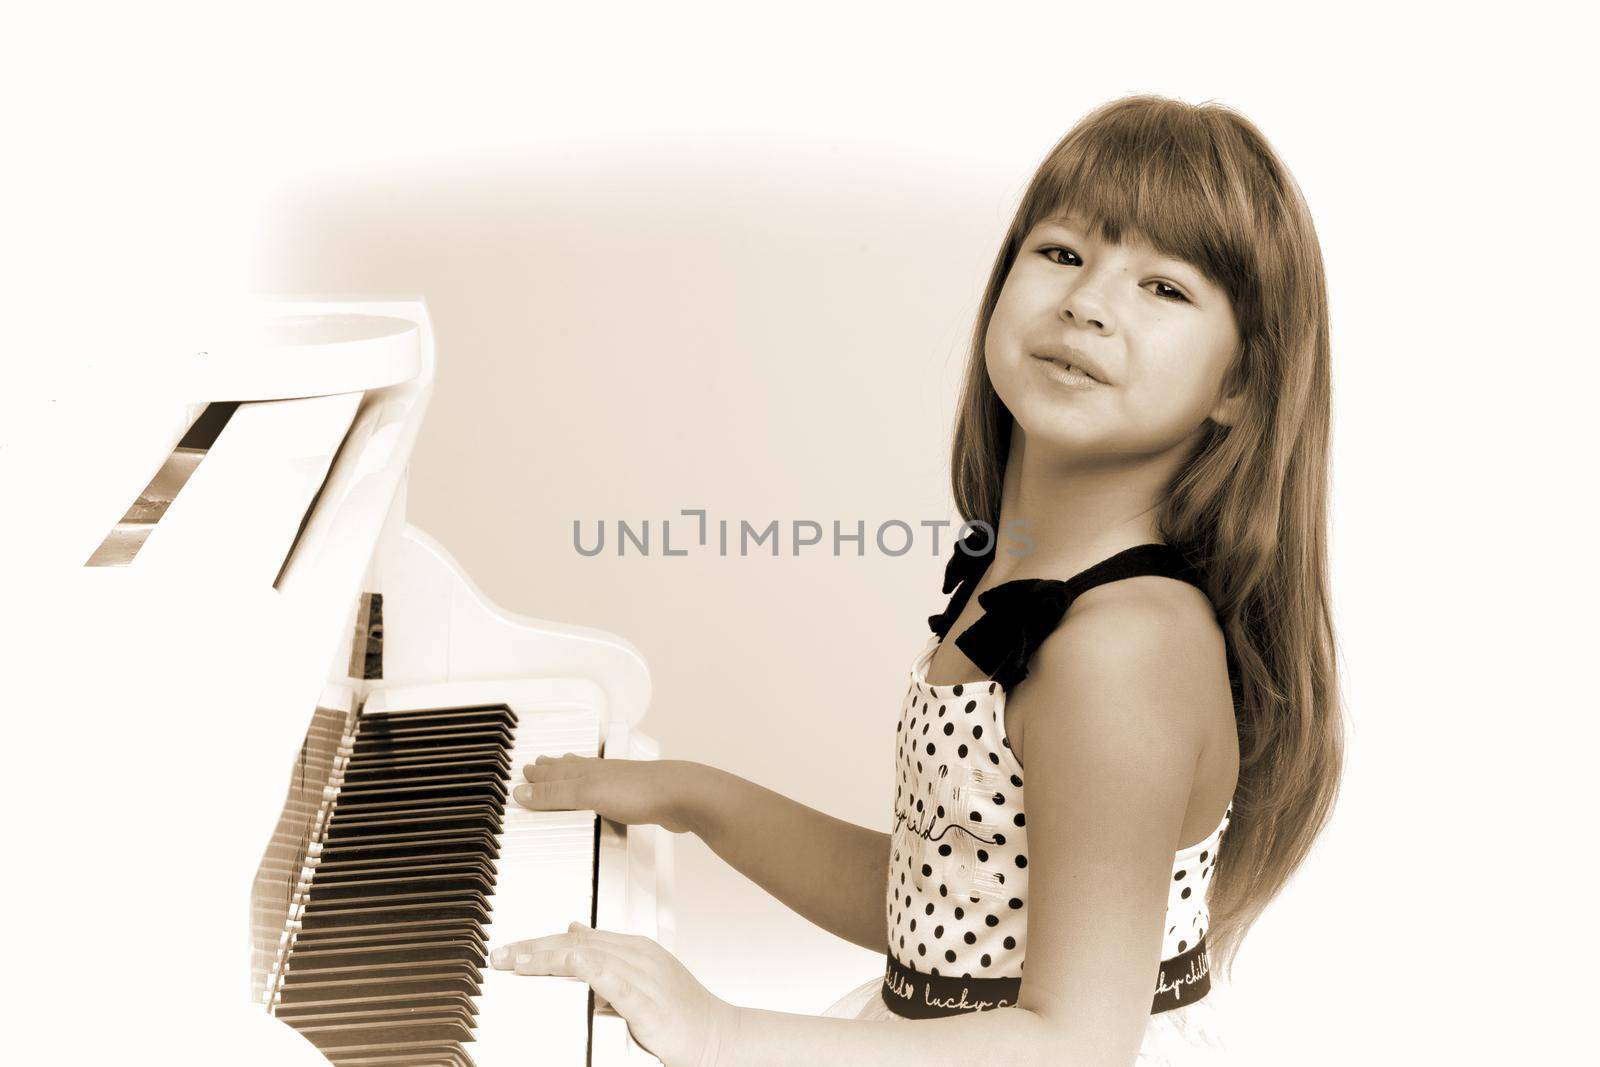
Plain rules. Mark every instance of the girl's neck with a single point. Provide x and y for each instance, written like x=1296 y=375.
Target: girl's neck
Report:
x=1074 y=514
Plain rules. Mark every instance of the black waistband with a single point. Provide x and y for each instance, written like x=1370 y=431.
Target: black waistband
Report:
x=1183 y=979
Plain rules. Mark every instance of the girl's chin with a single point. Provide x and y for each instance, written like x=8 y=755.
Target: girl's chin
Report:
x=1066 y=436
x=1071 y=440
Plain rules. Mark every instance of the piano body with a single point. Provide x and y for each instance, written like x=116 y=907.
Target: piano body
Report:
x=305 y=721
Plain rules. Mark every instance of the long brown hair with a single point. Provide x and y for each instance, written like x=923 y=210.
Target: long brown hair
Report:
x=1249 y=507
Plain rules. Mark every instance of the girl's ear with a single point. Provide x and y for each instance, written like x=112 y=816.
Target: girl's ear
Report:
x=1228 y=409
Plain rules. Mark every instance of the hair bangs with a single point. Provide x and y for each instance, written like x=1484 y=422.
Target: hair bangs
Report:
x=1159 y=179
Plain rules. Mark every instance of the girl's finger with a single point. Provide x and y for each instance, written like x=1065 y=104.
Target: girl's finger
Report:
x=505 y=957
x=624 y=986
x=559 y=794
x=551 y=767
x=636 y=944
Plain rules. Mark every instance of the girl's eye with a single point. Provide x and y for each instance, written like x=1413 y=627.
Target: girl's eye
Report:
x=1046 y=252
x=1173 y=293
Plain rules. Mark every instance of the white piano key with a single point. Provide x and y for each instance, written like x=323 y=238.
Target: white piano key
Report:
x=525 y=1020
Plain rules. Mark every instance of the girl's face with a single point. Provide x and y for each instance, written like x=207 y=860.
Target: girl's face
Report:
x=1154 y=336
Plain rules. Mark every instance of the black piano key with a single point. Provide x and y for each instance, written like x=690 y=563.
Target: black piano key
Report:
x=485 y=741
x=454 y=999
x=420 y=793
x=387 y=974
x=467 y=746
x=487 y=753
x=345 y=873
x=401 y=714
x=382 y=752
x=415 y=843
x=391 y=818
x=324 y=918
x=473 y=817
x=388 y=721
x=381 y=942
x=396 y=770
x=365 y=775
x=451 y=877
x=424 y=1028
x=430 y=736
x=417 y=1054
x=362 y=864
x=367 y=871
x=310 y=959
x=371 y=935
x=447 y=884
x=354 y=1022
x=327 y=868
x=451 y=978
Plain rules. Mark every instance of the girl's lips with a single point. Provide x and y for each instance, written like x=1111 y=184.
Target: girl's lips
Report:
x=1065 y=354
x=1057 y=371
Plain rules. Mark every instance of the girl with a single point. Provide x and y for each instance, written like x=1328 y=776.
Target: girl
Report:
x=1139 y=616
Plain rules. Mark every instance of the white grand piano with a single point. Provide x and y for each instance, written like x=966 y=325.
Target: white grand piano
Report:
x=273 y=728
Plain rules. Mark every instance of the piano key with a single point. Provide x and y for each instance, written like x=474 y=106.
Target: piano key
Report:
x=379 y=717
x=327 y=868
x=336 y=1005
x=435 y=886
x=309 y=959
x=365 y=780
x=353 y=1020
x=452 y=978
x=475 y=815
x=433 y=1055
x=489 y=752
x=391 y=912
x=338 y=873
x=429 y=1028
x=368 y=936
x=377 y=847
x=399 y=799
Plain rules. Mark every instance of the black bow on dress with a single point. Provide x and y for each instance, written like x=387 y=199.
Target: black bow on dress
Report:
x=968 y=562
x=1017 y=617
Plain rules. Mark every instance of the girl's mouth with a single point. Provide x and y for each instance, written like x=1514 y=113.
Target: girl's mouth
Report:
x=1066 y=374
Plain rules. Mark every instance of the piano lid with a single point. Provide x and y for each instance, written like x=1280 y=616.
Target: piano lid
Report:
x=296 y=372
x=281 y=357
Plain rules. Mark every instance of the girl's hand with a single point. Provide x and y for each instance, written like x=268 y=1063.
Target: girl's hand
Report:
x=632 y=792
x=668 y=1012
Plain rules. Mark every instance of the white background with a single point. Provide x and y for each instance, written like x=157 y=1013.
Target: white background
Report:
x=783 y=216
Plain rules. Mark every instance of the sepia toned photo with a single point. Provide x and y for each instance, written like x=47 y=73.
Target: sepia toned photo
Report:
x=714 y=535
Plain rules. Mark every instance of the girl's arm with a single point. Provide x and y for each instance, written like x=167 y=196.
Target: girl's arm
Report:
x=1113 y=739
x=830 y=871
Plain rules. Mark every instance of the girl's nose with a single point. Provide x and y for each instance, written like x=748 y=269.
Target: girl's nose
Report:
x=1086 y=309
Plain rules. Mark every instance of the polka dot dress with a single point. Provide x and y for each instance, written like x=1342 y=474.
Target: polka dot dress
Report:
x=958 y=875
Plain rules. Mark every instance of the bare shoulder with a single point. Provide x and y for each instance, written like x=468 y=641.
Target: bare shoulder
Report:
x=1144 y=647
x=1137 y=671
x=1147 y=624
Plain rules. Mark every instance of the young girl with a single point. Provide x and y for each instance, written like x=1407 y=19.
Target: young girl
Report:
x=1138 y=629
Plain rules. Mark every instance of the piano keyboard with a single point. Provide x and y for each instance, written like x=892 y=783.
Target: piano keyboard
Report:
x=421 y=863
